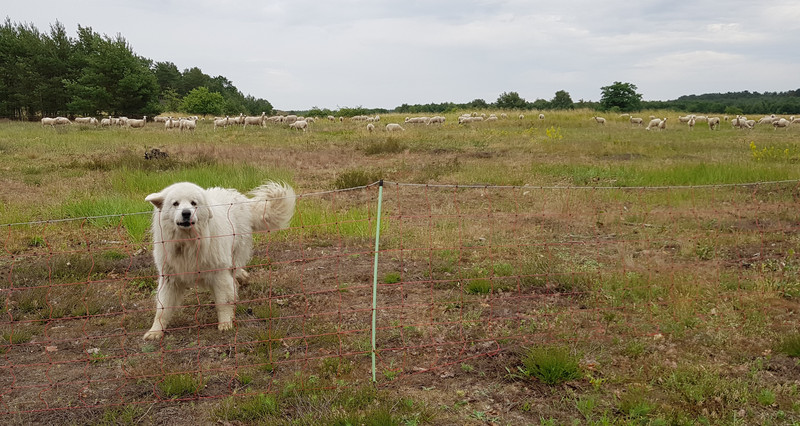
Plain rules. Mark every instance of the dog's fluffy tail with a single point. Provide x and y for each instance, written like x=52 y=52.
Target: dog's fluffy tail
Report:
x=273 y=207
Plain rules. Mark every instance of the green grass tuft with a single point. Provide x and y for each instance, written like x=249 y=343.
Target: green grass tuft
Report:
x=551 y=364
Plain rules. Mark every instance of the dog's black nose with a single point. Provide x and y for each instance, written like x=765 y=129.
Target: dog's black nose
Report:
x=186 y=214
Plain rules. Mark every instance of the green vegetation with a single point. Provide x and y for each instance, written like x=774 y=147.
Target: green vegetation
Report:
x=551 y=365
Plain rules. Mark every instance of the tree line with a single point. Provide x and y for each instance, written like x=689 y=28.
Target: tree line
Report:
x=51 y=74
x=624 y=97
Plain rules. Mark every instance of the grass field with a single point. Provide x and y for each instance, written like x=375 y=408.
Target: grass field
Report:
x=578 y=274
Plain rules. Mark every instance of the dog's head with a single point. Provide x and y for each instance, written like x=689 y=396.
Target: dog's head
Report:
x=183 y=204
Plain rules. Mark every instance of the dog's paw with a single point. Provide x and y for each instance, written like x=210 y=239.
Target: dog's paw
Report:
x=153 y=335
x=225 y=325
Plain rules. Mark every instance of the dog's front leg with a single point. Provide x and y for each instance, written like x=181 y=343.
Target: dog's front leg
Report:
x=168 y=298
x=225 y=297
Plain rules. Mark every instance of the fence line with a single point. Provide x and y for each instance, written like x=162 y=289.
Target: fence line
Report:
x=465 y=271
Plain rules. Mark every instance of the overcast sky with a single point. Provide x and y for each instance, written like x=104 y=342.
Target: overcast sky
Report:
x=380 y=54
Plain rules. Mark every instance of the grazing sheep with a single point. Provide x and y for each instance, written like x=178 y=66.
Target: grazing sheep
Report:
x=160 y=119
x=653 y=124
x=86 y=120
x=417 y=120
x=713 y=123
x=299 y=125
x=600 y=120
x=172 y=123
x=187 y=124
x=492 y=118
x=289 y=119
x=393 y=127
x=663 y=124
x=331 y=118
x=767 y=119
x=781 y=122
x=137 y=124
x=122 y=121
x=46 y=121
x=685 y=118
x=521 y=116
x=60 y=121
x=370 y=127
x=436 y=119
x=794 y=120
x=541 y=116
x=503 y=115
x=221 y=122
x=106 y=122
x=636 y=121
x=255 y=120
x=740 y=122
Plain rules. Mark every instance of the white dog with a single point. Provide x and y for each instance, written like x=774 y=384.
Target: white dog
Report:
x=203 y=237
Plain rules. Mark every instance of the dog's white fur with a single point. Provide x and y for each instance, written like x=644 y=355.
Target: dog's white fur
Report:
x=203 y=238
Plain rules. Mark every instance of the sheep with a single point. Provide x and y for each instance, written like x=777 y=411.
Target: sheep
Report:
x=172 y=123
x=46 y=121
x=713 y=123
x=685 y=118
x=600 y=120
x=636 y=121
x=418 y=120
x=503 y=115
x=289 y=119
x=522 y=116
x=370 y=127
x=160 y=119
x=492 y=118
x=463 y=120
x=541 y=116
x=740 y=122
x=187 y=124
x=331 y=118
x=767 y=119
x=137 y=124
x=122 y=121
x=393 y=127
x=60 y=121
x=691 y=123
x=255 y=120
x=86 y=120
x=654 y=123
x=436 y=119
x=781 y=122
x=221 y=122
x=663 y=124
x=794 y=120
x=299 y=125
x=106 y=122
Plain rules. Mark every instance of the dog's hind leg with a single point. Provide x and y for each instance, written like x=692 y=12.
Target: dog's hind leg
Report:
x=225 y=297
x=168 y=298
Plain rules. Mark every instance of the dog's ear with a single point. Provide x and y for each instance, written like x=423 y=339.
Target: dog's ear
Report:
x=157 y=199
x=204 y=202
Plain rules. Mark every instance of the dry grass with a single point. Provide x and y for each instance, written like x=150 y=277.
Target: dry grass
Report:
x=678 y=301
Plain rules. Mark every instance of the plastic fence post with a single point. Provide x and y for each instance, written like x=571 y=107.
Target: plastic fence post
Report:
x=375 y=276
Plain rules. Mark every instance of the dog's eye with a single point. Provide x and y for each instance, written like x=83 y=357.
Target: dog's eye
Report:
x=176 y=204
x=194 y=203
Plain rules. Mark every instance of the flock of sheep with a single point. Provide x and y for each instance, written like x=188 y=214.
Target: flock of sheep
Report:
x=302 y=123
x=740 y=122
